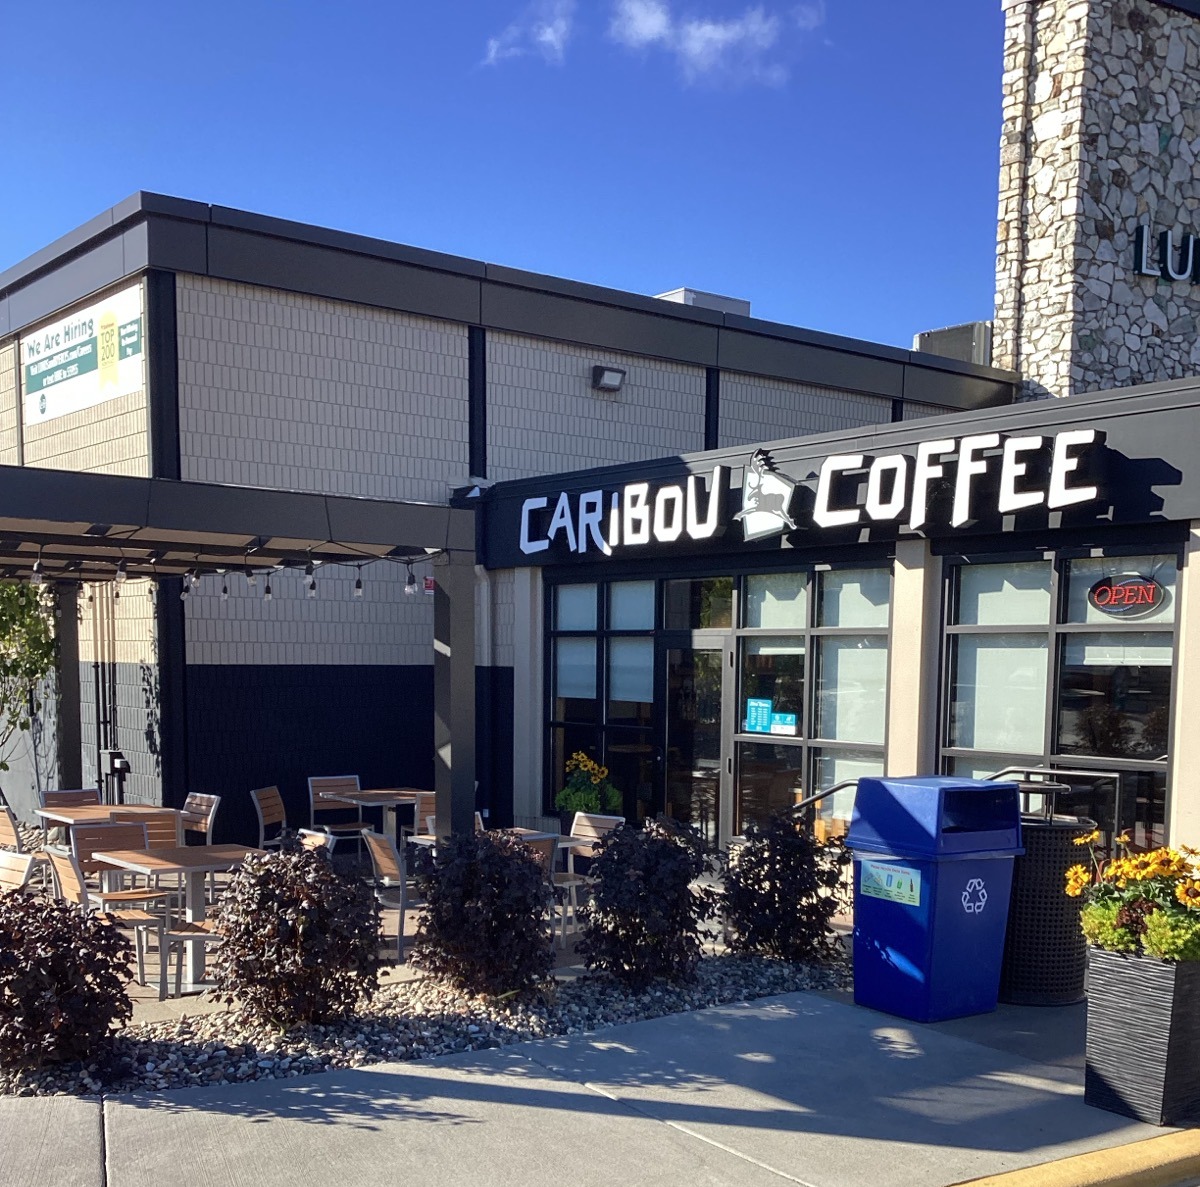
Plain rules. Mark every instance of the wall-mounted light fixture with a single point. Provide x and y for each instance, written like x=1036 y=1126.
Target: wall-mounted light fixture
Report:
x=607 y=379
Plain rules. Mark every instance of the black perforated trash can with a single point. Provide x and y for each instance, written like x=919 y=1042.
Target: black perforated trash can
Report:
x=1045 y=956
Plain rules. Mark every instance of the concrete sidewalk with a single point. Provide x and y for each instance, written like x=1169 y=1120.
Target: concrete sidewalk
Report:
x=805 y=1088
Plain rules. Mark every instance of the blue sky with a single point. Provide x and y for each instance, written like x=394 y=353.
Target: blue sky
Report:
x=833 y=161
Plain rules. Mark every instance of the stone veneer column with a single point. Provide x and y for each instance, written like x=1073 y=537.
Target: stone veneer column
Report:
x=1101 y=115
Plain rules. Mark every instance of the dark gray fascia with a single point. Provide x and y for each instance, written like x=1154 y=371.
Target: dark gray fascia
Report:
x=158 y=231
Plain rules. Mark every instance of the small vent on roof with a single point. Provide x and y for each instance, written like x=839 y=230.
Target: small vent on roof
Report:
x=969 y=343
x=705 y=300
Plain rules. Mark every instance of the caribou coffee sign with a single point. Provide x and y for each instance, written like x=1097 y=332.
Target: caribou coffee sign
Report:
x=936 y=486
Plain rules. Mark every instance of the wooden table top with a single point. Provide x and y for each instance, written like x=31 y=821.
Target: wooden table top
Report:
x=382 y=797
x=96 y=813
x=185 y=859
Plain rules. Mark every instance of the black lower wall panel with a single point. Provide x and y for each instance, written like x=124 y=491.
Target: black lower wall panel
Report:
x=260 y=725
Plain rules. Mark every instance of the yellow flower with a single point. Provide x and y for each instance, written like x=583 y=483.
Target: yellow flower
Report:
x=604 y=772
x=1123 y=837
x=1078 y=878
x=1188 y=893
x=1090 y=839
x=595 y=779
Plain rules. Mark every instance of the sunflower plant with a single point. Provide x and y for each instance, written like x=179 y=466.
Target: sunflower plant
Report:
x=1139 y=902
x=588 y=788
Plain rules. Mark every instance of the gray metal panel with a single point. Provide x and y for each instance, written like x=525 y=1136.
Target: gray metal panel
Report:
x=178 y=246
x=759 y=355
x=772 y=329
x=151 y=203
x=928 y=385
x=413 y=525
x=599 y=295
x=236 y=511
x=63 y=496
x=5 y=318
x=544 y=315
x=279 y=228
x=300 y=267
x=71 y=241
x=96 y=269
x=135 y=246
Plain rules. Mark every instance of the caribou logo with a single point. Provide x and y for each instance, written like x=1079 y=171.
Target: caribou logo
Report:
x=766 y=496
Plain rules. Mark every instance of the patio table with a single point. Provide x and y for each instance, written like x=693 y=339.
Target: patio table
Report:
x=96 y=813
x=388 y=798
x=194 y=863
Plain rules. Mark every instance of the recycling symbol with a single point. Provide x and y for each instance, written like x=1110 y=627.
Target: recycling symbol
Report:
x=974 y=898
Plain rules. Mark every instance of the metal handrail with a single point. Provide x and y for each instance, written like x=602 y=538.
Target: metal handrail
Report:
x=820 y=795
x=1051 y=795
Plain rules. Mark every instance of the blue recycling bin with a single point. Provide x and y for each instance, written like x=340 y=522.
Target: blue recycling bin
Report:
x=933 y=864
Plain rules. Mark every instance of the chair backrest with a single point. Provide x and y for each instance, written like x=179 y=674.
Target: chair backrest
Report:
x=386 y=859
x=162 y=828
x=590 y=826
x=86 y=839
x=10 y=836
x=68 y=878
x=15 y=869
x=425 y=808
x=71 y=799
x=268 y=803
x=320 y=785
x=199 y=812
x=479 y=822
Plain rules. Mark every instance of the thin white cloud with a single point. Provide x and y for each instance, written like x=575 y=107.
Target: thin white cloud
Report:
x=544 y=28
x=638 y=23
x=810 y=16
x=743 y=48
x=740 y=45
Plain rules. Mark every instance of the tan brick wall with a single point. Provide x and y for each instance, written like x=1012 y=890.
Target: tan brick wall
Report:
x=385 y=626
x=545 y=417
x=10 y=454
x=294 y=392
x=108 y=438
x=755 y=410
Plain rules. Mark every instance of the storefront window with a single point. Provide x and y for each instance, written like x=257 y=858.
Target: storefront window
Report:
x=770 y=780
x=1115 y=695
x=703 y=604
x=836 y=766
x=852 y=688
x=999 y=698
x=575 y=679
x=1086 y=573
x=856 y=598
x=631 y=606
x=1004 y=595
x=772 y=686
x=575 y=608
x=1092 y=656
x=778 y=601
x=630 y=681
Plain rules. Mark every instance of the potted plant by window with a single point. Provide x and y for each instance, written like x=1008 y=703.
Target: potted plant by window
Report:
x=1141 y=918
x=587 y=790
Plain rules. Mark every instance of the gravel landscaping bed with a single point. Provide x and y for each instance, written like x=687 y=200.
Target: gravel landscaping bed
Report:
x=414 y=1020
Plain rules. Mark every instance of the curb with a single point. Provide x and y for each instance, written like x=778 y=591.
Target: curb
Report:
x=1156 y=1162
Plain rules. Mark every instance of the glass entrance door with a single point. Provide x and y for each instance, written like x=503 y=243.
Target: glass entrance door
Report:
x=695 y=766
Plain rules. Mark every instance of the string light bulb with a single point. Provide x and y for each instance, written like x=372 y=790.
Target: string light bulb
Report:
x=410 y=586
x=37 y=576
x=224 y=589
x=358 y=585
x=267 y=588
x=251 y=579
x=122 y=573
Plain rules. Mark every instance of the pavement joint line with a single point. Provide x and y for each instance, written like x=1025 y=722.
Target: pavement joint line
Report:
x=1154 y=1162
x=634 y=1107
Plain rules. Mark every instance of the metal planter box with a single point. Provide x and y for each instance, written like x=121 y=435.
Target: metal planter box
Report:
x=1143 y=1037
